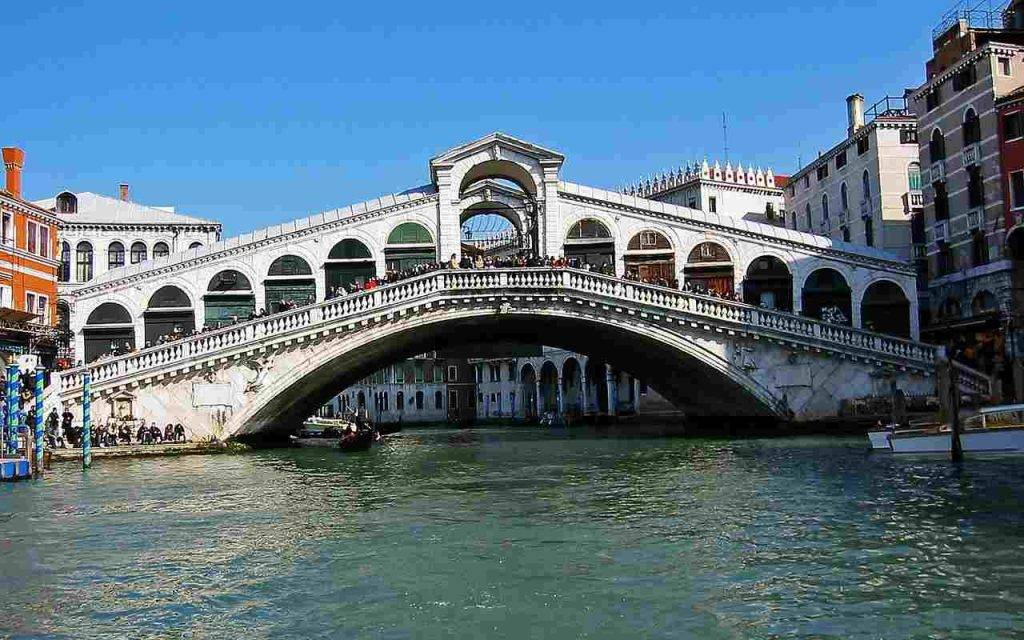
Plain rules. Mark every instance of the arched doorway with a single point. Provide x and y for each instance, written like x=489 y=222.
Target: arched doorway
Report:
x=549 y=387
x=769 y=284
x=169 y=314
x=528 y=379
x=886 y=309
x=709 y=268
x=649 y=257
x=108 y=330
x=289 y=284
x=349 y=262
x=572 y=387
x=409 y=244
x=589 y=241
x=229 y=299
x=826 y=296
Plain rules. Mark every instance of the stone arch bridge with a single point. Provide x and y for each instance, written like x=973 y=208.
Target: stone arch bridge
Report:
x=709 y=356
x=292 y=271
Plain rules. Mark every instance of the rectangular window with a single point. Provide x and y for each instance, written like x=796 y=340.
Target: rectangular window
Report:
x=418 y=371
x=6 y=297
x=1017 y=189
x=807 y=181
x=908 y=136
x=453 y=373
x=1013 y=126
x=933 y=99
x=453 y=400
x=44 y=241
x=863 y=145
x=822 y=172
x=713 y=204
x=511 y=372
x=841 y=159
x=43 y=309
x=964 y=78
x=30 y=302
x=32 y=237
x=399 y=374
x=1004 y=66
x=975 y=188
x=7 y=229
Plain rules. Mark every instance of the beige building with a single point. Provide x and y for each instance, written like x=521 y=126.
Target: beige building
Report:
x=866 y=189
x=978 y=57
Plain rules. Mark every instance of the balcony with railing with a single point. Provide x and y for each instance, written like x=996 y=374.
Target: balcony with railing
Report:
x=974 y=218
x=938 y=171
x=865 y=208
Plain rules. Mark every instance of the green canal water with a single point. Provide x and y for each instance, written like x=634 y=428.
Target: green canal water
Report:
x=520 y=534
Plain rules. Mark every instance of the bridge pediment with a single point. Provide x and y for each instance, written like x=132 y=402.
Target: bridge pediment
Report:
x=495 y=156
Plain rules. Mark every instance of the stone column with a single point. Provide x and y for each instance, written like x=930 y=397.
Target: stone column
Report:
x=636 y=395
x=560 y=396
x=583 y=391
x=448 y=228
x=537 y=400
x=612 y=388
x=549 y=218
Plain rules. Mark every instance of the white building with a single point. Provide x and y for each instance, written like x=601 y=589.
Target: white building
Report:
x=750 y=194
x=866 y=189
x=99 y=233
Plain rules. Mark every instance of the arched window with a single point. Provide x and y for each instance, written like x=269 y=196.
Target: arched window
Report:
x=588 y=229
x=824 y=208
x=984 y=302
x=161 y=250
x=950 y=309
x=826 y=296
x=349 y=262
x=139 y=253
x=83 y=262
x=64 y=275
x=769 y=284
x=865 y=186
x=195 y=245
x=937 y=146
x=289 y=284
x=229 y=299
x=807 y=211
x=589 y=242
x=709 y=267
x=115 y=255
x=971 y=128
x=410 y=233
x=108 y=329
x=438 y=400
x=419 y=401
x=168 y=315
x=649 y=258
x=289 y=266
x=914 y=176
x=400 y=401
x=67 y=203
x=844 y=197
x=885 y=309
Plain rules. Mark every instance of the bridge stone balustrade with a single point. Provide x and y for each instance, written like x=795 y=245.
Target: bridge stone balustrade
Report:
x=795 y=367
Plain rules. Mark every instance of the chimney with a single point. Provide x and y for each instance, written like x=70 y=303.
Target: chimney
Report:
x=855 y=112
x=14 y=160
x=123 y=191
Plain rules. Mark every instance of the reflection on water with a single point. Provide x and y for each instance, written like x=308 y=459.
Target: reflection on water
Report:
x=519 y=533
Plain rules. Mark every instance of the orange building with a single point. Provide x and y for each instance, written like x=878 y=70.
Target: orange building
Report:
x=28 y=271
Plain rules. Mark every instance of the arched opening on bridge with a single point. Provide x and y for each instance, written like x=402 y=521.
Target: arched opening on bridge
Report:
x=589 y=241
x=169 y=314
x=549 y=387
x=108 y=330
x=597 y=387
x=528 y=380
x=709 y=268
x=490 y=231
x=769 y=284
x=289 y=284
x=349 y=262
x=229 y=299
x=572 y=387
x=826 y=296
x=886 y=309
x=499 y=170
x=409 y=244
x=649 y=257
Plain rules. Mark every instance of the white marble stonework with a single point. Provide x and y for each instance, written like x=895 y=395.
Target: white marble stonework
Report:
x=475 y=175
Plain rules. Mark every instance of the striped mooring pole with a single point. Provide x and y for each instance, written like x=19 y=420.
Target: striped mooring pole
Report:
x=12 y=410
x=39 y=422
x=86 y=420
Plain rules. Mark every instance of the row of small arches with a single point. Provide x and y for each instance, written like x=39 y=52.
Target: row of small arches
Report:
x=84 y=257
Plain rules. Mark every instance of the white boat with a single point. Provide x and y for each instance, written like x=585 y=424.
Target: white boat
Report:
x=998 y=429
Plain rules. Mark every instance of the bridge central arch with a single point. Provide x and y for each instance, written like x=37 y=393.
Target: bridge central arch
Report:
x=685 y=372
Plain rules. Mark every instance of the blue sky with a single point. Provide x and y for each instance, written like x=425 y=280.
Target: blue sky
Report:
x=259 y=115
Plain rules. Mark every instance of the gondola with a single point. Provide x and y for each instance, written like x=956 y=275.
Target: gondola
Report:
x=358 y=441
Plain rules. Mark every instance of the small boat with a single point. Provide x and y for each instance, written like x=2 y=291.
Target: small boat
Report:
x=321 y=432
x=996 y=429
x=360 y=440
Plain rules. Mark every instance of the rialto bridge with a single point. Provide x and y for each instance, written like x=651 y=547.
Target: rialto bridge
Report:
x=713 y=356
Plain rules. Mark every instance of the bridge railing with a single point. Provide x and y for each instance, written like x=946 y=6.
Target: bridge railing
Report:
x=535 y=280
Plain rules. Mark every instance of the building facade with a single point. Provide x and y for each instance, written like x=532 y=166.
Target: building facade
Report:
x=749 y=194
x=975 y=64
x=28 y=271
x=99 y=234
x=866 y=189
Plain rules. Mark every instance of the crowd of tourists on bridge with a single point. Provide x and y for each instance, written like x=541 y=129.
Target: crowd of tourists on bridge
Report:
x=62 y=432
